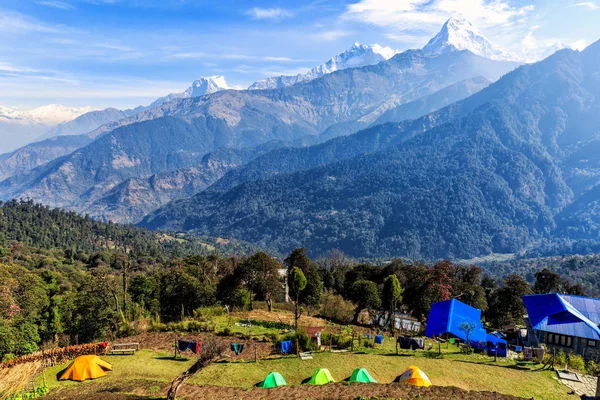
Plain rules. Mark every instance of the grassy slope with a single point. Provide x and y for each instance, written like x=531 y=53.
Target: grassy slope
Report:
x=468 y=372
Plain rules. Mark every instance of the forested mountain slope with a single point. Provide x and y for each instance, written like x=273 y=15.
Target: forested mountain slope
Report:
x=491 y=181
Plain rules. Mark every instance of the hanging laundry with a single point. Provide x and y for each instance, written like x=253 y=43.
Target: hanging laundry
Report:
x=237 y=348
x=286 y=346
x=184 y=345
x=378 y=339
x=404 y=342
x=417 y=343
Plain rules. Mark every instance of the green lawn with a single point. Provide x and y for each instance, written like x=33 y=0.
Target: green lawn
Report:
x=473 y=372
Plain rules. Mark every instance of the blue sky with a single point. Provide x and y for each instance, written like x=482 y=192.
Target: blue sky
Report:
x=123 y=53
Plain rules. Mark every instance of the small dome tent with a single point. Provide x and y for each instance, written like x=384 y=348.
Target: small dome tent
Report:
x=321 y=376
x=86 y=367
x=414 y=376
x=362 y=375
x=272 y=380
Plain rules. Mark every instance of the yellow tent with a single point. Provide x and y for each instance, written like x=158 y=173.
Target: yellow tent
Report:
x=86 y=367
x=414 y=376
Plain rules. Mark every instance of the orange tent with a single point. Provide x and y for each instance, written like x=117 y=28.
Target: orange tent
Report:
x=414 y=376
x=86 y=367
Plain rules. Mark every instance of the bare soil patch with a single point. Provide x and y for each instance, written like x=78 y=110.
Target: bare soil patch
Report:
x=141 y=390
x=165 y=342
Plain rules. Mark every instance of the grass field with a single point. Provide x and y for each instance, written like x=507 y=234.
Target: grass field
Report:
x=472 y=372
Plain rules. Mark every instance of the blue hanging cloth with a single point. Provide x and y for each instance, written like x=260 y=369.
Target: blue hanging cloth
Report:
x=379 y=339
x=286 y=346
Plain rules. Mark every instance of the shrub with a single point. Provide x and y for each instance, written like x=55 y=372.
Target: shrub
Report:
x=576 y=362
x=368 y=344
x=561 y=358
x=226 y=332
x=304 y=341
x=592 y=368
x=208 y=312
x=334 y=307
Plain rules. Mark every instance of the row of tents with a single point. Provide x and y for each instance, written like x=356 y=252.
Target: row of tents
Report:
x=413 y=376
x=93 y=367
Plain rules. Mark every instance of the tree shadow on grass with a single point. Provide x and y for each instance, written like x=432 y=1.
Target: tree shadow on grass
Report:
x=171 y=358
x=493 y=364
x=398 y=355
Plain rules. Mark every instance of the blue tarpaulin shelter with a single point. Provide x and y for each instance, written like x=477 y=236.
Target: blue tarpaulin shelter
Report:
x=496 y=343
x=564 y=314
x=447 y=316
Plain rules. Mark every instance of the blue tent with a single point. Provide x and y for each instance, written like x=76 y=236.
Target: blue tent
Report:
x=564 y=314
x=447 y=316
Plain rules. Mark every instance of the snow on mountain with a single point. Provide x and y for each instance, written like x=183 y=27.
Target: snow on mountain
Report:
x=200 y=87
x=52 y=114
x=458 y=34
x=19 y=127
x=358 y=55
x=553 y=49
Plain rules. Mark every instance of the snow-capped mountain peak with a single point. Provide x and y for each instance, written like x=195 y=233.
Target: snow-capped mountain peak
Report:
x=52 y=114
x=207 y=85
x=200 y=87
x=358 y=55
x=458 y=34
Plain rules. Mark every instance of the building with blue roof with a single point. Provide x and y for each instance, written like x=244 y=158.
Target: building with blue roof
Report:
x=566 y=322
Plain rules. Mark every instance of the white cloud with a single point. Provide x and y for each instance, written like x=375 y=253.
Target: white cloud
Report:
x=587 y=4
x=15 y=22
x=56 y=4
x=409 y=16
x=269 y=13
x=331 y=35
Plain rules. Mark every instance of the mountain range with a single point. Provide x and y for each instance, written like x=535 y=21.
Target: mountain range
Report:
x=18 y=127
x=422 y=153
x=494 y=173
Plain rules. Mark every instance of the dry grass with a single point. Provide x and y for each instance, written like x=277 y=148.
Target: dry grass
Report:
x=12 y=380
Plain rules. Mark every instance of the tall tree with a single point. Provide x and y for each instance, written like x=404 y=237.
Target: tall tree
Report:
x=364 y=295
x=391 y=297
x=314 y=288
x=547 y=281
x=507 y=304
x=296 y=283
x=260 y=274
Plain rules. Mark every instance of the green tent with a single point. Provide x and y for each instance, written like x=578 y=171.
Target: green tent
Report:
x=272 y=380
x=362 y=375
x=321 y=376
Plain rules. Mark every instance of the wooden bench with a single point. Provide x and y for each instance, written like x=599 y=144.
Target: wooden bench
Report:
x=124 y=348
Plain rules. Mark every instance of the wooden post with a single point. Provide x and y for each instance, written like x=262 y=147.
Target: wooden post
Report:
x=496 y=353
x=352 y=343
x=297 y=348
x=439 y=347
x=255 y=354
x=396 y=345
x=175 y=353
x=597 y=386
x=330 y=341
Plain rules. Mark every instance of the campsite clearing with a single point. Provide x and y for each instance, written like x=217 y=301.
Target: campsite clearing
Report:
x=148 y=374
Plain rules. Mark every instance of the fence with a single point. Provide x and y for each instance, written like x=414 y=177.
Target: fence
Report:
x=58 y=355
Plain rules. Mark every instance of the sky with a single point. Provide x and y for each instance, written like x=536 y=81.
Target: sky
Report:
x=124 y=53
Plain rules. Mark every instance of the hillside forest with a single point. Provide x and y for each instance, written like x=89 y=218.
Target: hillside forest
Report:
x=68 y=279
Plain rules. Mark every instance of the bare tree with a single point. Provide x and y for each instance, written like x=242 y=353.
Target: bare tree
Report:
x=210 y=353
